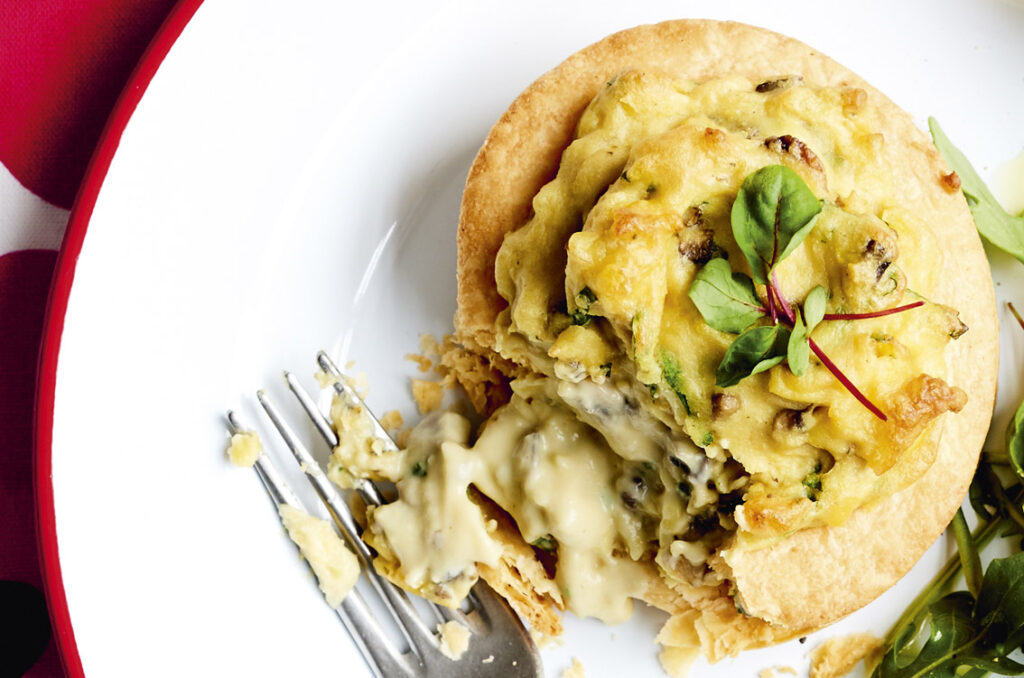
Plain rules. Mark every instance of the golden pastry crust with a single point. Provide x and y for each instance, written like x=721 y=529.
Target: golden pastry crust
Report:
x=814 y=576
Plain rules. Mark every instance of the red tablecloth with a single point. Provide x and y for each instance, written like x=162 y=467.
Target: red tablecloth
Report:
x=63 y=64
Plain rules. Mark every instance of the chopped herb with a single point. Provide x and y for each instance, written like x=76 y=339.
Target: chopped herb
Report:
x=545 y=543
x=584 y=300
x=812 y=483
x=708 y=438
x=419 y=469
x=606 y=369
x=670 y=371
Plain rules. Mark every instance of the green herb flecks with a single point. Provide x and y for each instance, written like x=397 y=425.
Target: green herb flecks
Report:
x=545 y=543
x=419 y=469
x=812 y=483
x=584 y=300
x=673 y=377
x=999 y=228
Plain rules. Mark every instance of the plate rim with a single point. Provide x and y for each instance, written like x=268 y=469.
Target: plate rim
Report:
x=53 y=323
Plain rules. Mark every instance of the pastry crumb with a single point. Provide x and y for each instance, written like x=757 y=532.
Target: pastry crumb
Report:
x=392 y=420
x=488 y=660
x=335 y=566
x=574 y=671
x=776 y=672
x=423 y=363
x=453 y=639
x=244 y=449
x=427 y=394
x=837 y=656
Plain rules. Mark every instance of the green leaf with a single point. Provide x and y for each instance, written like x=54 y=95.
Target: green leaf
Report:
x=1015 y=442
x=958 y=637
x=771 y=216
x=814 y=307
x=727 y=300
x=1001 y=229
x=754 y=351
x=798 y=351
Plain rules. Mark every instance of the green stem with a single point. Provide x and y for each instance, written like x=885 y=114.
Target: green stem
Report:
x=969 y=559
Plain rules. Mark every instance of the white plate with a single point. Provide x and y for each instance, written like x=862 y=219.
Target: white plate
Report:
x=289 y=181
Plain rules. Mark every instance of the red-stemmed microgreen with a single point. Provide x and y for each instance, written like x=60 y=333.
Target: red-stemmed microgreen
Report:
x=772 y=214
x=873 y=314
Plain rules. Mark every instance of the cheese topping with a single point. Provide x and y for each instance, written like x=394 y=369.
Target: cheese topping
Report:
x=622 y=450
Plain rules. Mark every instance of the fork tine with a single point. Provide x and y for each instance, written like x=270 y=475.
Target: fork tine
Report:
x=318 y=479
x=367 y=490
x=415 y=631
x=312 y=411
x=380 y=654
x=268 y=474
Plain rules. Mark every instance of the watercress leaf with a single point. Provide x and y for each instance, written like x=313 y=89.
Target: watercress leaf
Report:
x=982 y=494
x=727 y=300
x=756 y=350
x=962 y=637
x=771 y=216
x=798 y=351
x=814 y=307
x=1000 y=608
x=1015 y=442
x=999 y=228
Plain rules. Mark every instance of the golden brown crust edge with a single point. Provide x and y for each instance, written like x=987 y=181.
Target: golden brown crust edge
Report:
x=856 y=561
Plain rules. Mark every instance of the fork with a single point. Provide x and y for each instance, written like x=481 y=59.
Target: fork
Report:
x=499 y=645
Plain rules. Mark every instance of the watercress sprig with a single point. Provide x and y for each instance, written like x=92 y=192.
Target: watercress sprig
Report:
x=1003 y=230
x=772 y=214
x=972 y=633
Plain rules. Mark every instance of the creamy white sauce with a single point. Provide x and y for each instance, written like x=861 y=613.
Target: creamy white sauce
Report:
x=579 y=467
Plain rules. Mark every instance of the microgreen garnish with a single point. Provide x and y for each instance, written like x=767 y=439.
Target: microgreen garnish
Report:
x=756 y=350
x=799 y=349
x=727 y=300
x=999 y=228
x=772 y=214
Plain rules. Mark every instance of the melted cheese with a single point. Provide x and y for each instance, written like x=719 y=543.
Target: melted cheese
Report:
x=633 y=225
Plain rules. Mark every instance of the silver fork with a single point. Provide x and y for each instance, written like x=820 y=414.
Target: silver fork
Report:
x=499 y=645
